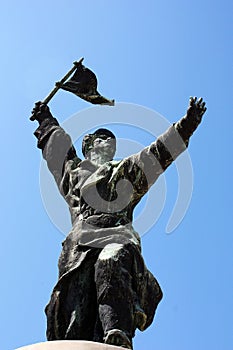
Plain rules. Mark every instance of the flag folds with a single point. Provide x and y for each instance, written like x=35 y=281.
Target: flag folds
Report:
x=83 y=83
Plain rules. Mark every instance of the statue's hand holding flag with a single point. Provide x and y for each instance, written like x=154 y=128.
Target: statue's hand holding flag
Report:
x=83 y=84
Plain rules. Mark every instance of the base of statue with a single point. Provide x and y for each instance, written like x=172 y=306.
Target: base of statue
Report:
x=70 y=345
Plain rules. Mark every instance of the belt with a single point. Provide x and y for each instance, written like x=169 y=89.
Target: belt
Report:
x=106 y=220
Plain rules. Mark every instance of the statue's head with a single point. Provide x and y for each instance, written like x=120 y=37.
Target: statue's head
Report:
x=102 y=142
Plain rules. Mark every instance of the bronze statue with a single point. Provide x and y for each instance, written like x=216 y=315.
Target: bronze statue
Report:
x=104 y=291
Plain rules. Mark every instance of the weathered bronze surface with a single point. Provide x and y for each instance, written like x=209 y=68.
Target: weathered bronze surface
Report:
x=105 y=291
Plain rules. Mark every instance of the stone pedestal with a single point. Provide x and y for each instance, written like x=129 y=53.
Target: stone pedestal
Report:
x=70 y=345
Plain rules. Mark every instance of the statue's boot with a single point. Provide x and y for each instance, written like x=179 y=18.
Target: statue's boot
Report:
x=117 y=324
x=118 y=338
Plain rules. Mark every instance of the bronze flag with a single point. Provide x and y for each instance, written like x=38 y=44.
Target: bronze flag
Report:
x=83 y=83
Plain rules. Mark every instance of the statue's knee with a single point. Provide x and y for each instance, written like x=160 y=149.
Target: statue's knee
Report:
x=110 y=251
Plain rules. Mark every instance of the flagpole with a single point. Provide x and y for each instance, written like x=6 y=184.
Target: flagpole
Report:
x=59 y=84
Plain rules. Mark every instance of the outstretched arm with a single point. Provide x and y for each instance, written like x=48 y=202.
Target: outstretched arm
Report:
x=145 y=167
x=56 y=145
x=176 y=139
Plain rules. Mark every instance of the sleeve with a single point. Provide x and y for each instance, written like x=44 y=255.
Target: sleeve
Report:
x=144 y=168
x=57 y=150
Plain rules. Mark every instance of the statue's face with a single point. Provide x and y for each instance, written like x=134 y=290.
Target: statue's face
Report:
x=101 y=145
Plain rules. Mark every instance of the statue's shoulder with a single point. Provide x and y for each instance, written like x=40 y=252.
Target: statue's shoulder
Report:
x=115 y=162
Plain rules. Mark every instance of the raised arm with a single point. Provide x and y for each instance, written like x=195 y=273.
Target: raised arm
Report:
x=56 y=145
x=145 y=167
x=175 y=140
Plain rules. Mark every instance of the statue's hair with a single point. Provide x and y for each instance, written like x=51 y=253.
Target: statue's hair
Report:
x=88 y=139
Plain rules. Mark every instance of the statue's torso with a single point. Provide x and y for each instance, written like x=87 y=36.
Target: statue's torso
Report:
x=99 y=217
x=93 y=191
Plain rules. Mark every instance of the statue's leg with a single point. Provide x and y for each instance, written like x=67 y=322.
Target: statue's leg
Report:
x=72 y=311
x=115 y=295
x=80 y=303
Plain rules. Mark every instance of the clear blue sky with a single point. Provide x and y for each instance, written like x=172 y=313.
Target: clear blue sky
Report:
x=155 y=54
